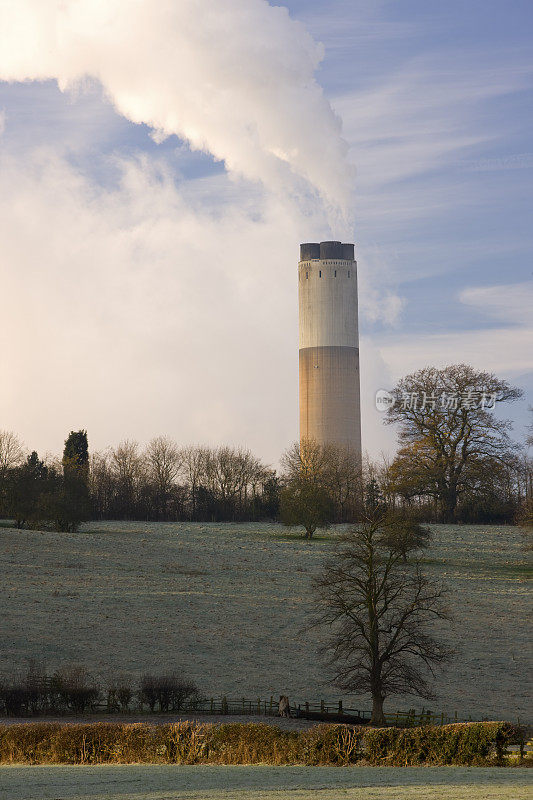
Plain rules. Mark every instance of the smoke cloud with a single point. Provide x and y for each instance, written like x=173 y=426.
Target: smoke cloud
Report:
x=234 y=78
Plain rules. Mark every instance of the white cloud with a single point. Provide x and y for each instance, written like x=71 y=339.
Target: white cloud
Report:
x=234 y=79
x=137 y=311
x=425 y=116
x=510 y=302
x=378 y=296
x=375 y=374
x=409 y=133
x=151 y=308
x=506 y=351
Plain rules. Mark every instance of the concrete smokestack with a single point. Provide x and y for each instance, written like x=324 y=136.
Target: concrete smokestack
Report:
x=330 y=402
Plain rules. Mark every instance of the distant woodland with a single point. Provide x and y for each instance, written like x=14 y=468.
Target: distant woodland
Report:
x=455 y=463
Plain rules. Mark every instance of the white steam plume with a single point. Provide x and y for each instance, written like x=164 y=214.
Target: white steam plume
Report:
x=232 y=77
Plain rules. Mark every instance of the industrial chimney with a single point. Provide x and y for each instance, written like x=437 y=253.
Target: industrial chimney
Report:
x=330 y=403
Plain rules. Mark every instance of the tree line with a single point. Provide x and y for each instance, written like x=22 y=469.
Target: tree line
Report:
x=161 y=482
x=166 y=482
x=456 y=462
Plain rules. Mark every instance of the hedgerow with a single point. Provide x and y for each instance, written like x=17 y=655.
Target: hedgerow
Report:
x=73 y=690
x=473 y=743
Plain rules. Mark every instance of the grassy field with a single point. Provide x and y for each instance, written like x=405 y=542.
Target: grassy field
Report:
x=260 y=783
x=228 y=602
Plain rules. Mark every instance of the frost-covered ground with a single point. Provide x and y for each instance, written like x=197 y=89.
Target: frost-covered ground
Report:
x=228 y=602
x=260 y=783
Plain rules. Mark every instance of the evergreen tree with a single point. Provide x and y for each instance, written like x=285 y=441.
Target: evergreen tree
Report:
x=76 y=454
x=25 y=486
x=70 y=504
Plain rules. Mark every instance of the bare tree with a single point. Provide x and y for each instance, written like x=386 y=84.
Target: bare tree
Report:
x=335 y=469
x=101 y=482
x=378 y=611
x=233 y=473
x=128 y=472
x=12 y=452
x=164 y=461
x=194 y=461
x=525 y=514
x=343 y=482
x=222 y=482
x=306 y=460
x=377 y=480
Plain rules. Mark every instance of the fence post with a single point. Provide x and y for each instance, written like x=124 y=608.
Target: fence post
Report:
x=271 y=703
x=259 y=705
x=340 y=706
x=322 y=706
x=306 y=707
x=243 y=711
x=212 y=703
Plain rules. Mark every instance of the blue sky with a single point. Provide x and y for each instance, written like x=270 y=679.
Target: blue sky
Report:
x=436 y=107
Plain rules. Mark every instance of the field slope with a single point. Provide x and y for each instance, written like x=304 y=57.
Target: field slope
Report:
x=228 y=602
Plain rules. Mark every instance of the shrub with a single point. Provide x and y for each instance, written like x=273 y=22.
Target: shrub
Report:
x=192 y=743
x=75 y=689
x=119 y=694
x=469 y=743
x=331 y=744
x=25 y=695
x=167 y=691
x=252 y=743
x=13 y=700
x=69 y=689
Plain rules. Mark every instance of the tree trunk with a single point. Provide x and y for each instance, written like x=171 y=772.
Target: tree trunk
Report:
x=448 y=503
x=378 y=717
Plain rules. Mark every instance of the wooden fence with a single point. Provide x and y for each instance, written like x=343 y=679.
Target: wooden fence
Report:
x=323 y=710
x=269 y=708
